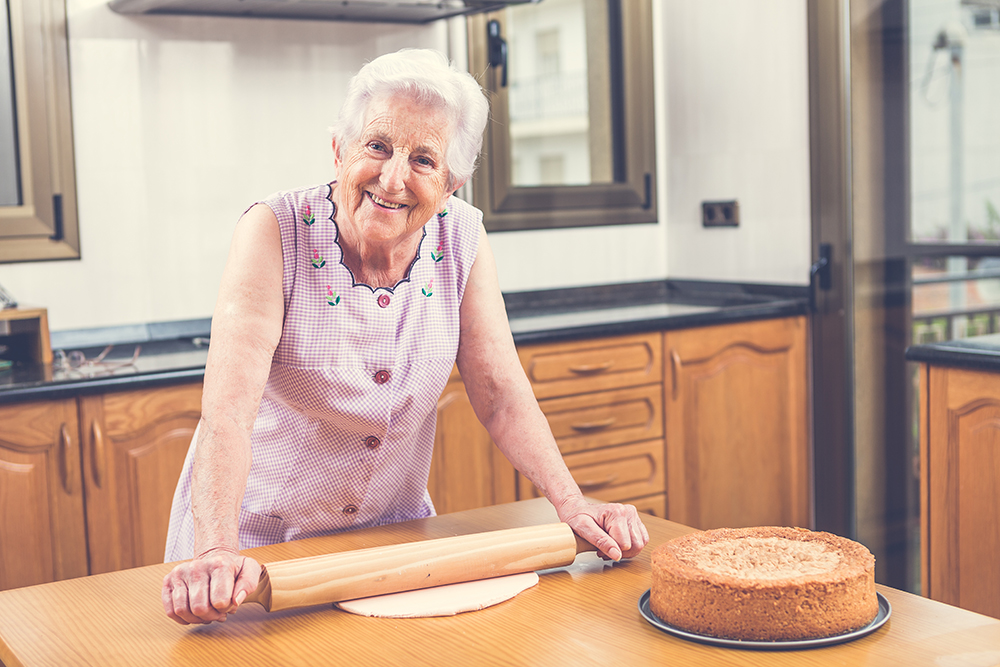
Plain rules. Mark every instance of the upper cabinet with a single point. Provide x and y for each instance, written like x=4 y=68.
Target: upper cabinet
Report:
x=570 y=141
x=37 y=181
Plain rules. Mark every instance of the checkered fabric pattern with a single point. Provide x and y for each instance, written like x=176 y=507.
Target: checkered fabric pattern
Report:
x=345 y=429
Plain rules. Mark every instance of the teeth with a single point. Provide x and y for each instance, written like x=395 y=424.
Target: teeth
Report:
x=381 y=202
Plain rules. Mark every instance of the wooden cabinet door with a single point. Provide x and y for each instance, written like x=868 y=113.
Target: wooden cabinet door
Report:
x=42 y=534
x=736 y=424
x=134 y=444
x=467 y=471
x=961 y=489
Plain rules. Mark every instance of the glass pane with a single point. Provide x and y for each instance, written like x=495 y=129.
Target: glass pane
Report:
x=559 y=93
x=950 y=304
x=954 y=53
x=10 y=190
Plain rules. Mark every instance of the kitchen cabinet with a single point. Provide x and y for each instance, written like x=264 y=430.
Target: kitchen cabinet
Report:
x=134 y=444
x=90 y=480
x=960 y=487
x=42 y=531
x=603 y=401
x=602 y=398
x=736 y=424
x=467 y=471
x=731 y=401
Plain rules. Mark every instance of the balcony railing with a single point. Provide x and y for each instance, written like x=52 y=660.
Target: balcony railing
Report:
x=947 y=304
x=549 y=96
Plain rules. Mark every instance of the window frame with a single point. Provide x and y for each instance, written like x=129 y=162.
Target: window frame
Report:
x=631 y=199
x=45 y=225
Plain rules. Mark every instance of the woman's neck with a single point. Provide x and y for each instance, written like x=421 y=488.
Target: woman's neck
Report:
x=378 y=264
x=375 y=262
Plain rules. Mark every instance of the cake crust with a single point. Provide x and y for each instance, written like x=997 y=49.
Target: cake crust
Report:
x=764 y=584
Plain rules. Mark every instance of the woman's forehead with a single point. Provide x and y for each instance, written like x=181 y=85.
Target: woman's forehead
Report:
x=406 y=118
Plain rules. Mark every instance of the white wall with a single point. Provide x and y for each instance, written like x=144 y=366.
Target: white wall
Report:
x=738 y=128
x=181 y=122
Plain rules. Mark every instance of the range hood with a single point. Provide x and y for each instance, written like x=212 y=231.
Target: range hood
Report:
x=384 y=11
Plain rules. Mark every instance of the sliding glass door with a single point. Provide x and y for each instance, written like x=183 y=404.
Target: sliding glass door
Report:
x=905 y=117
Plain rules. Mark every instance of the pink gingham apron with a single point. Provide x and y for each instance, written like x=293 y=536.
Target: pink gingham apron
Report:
x=345 y=429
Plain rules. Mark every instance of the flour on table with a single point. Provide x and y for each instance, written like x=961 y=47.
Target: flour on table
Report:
x=442 y=600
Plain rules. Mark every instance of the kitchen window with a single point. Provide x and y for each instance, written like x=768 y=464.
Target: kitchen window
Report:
x=37 y=182
x=570 y=142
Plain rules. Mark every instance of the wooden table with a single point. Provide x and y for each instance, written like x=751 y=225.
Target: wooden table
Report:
x=584 y=614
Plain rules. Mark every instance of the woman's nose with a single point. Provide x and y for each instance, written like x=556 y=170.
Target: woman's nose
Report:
x=394 y=173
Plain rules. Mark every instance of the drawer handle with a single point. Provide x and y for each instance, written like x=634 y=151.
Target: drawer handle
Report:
x=591 y=369
x=675 y=371
x=67 y=469
x=587 y=427
x=97 y=453
x=592 y=485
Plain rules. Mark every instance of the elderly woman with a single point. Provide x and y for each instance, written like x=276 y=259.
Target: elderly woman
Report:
x=342 y=310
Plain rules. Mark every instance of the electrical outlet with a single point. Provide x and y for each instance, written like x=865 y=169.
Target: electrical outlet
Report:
x=720 y=213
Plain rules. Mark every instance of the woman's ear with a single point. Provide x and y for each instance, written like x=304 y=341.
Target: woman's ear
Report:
x=451 y=191
x=336 y=154
x=447 y=194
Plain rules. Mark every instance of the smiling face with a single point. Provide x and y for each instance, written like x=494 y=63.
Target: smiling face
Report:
x=394 y=178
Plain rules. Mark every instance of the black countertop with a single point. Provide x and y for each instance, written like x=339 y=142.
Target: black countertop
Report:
x=173 y=353
x=980 y=352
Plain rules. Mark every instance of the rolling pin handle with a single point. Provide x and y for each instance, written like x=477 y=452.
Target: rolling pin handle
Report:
x=262 y=594
x=583 y=545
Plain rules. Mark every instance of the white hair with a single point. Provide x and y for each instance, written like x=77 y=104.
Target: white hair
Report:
x=428 y=77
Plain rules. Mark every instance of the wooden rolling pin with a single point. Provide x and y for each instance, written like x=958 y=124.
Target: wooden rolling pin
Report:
x=350 y=575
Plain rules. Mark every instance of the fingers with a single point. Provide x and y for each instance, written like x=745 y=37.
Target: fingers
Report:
x=167 y=597
x=187 y=596
x=625 y=526
x=220 y=595
x=246 y=581
x=205 y=589
x=616 y=530
x=589 y=529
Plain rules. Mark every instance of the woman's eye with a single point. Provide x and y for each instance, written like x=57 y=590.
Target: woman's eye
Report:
x=376 y=146
x=424 y=162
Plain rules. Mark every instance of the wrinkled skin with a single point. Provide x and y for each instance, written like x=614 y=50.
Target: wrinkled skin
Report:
x=209 y=587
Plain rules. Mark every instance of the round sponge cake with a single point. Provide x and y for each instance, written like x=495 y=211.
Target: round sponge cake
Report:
x=764 y=584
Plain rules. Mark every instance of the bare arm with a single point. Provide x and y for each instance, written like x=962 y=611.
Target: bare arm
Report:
x=502 y=398
x=246 y=327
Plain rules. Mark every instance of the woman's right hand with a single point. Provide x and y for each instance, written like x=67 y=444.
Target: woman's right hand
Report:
x=209 y=587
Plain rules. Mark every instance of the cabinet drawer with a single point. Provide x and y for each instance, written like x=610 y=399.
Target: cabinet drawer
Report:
x=602 y=419
x=613 y=474
x=655 y=505
x=562 y=369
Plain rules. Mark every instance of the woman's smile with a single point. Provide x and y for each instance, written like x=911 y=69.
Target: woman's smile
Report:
x=383 y=203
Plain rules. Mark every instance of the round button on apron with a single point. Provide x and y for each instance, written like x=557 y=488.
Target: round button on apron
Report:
x=383 y=300
x=351 y=509
x=372 y=442
x=381 y=377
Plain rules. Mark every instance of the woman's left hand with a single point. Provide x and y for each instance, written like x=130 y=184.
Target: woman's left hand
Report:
x=616 y=530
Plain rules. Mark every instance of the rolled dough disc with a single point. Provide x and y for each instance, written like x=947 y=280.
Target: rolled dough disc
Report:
x=443 y=600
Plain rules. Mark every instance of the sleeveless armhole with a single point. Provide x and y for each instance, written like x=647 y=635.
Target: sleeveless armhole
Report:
x=463 y=234
x=284 y=208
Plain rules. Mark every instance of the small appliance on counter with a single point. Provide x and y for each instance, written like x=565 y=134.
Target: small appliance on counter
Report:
x=24 y=333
